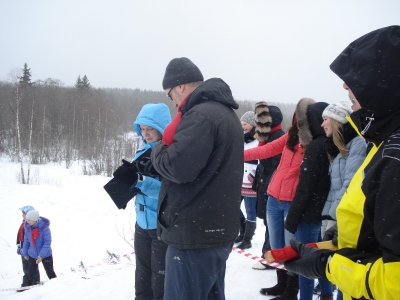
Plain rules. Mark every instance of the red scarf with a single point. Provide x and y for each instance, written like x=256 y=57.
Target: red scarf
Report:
x=169 y=131
x=35 y=235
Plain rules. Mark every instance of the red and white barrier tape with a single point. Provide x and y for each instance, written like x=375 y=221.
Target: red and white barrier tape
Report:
x=237 y=250
x=257 y=258
x=86 y=268
x=81 y=269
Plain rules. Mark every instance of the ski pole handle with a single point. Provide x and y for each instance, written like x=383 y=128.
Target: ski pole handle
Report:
x=288 y=253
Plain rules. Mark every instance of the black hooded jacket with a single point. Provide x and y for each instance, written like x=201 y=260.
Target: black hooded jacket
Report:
x=314 y=182
x=202 y=170
x=370 y=66
x=368 y=230
x=267 y=166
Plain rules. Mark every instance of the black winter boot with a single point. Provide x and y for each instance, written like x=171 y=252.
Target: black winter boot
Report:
x=248 y=235
x=292 y=289
x=280 y=287
x=242 y=229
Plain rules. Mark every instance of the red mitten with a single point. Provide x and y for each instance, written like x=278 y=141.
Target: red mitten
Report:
x=288 y=253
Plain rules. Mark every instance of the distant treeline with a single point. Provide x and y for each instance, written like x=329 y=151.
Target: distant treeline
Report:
x=43 y=121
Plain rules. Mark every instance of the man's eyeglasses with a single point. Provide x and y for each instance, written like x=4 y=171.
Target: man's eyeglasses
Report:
x=169 y=93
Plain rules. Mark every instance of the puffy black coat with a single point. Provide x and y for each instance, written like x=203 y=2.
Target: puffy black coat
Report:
x=267 y=167
x=314 y=182
x=202 y=171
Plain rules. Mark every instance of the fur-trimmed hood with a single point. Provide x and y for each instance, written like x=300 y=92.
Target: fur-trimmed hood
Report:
x=309 y=119
x=305 y=135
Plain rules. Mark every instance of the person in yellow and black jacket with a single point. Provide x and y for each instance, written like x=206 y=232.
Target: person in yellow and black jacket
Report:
x=367 y=264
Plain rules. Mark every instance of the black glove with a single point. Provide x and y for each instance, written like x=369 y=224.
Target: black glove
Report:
x=145 y=166
x=331 y=234
x=126 y=173
x=312 y=261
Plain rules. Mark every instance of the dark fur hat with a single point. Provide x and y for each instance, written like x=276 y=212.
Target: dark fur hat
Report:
x=263 y=121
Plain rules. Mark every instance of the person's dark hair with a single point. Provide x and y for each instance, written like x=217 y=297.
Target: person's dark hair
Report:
x=293 y=135
x=253 y=131
x=249 y=136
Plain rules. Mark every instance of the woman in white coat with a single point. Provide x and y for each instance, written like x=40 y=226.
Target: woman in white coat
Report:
x=248 y=224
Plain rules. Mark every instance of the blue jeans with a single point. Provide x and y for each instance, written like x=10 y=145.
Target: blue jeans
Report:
x=310 y=233
x=276 y=213
x=250 y=205
x=196 y=274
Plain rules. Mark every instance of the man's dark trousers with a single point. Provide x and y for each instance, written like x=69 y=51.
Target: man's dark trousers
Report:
x=196 y=274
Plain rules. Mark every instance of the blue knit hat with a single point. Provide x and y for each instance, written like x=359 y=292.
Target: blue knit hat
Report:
x=27 y=208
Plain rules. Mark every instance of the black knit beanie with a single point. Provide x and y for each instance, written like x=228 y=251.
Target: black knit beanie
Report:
x=181 y=71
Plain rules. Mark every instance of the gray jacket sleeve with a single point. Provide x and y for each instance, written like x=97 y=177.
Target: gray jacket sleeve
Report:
x=357 y=149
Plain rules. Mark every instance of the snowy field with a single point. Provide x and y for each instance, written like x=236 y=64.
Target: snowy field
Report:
x=85 y=224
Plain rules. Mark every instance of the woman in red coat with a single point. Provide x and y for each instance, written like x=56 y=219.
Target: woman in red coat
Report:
x=281 y=191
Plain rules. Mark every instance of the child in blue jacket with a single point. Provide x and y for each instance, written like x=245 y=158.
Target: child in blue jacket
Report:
x=20 y=242
x=37 y=247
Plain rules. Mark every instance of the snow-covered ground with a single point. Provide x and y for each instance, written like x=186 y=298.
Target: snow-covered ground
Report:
x=85 y=224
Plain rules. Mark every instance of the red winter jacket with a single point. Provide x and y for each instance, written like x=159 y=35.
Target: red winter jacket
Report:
x=286 y=177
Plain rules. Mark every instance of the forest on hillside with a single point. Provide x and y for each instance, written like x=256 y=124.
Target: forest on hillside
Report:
x=44 y=121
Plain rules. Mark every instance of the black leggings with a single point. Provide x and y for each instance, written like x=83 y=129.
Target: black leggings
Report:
x=33 y=270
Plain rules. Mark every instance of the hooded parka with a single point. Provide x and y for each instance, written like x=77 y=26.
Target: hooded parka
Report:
x=314 y=181
x=37 y=244
x=158 y=117
x=367 y=264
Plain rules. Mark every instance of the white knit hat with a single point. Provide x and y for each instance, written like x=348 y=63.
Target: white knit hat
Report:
x=338 y=111
x=32 y=215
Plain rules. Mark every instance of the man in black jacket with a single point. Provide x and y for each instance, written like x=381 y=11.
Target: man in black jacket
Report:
x=201 y=162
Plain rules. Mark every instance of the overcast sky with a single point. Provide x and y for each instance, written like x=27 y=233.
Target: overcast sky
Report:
x=265 y=50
